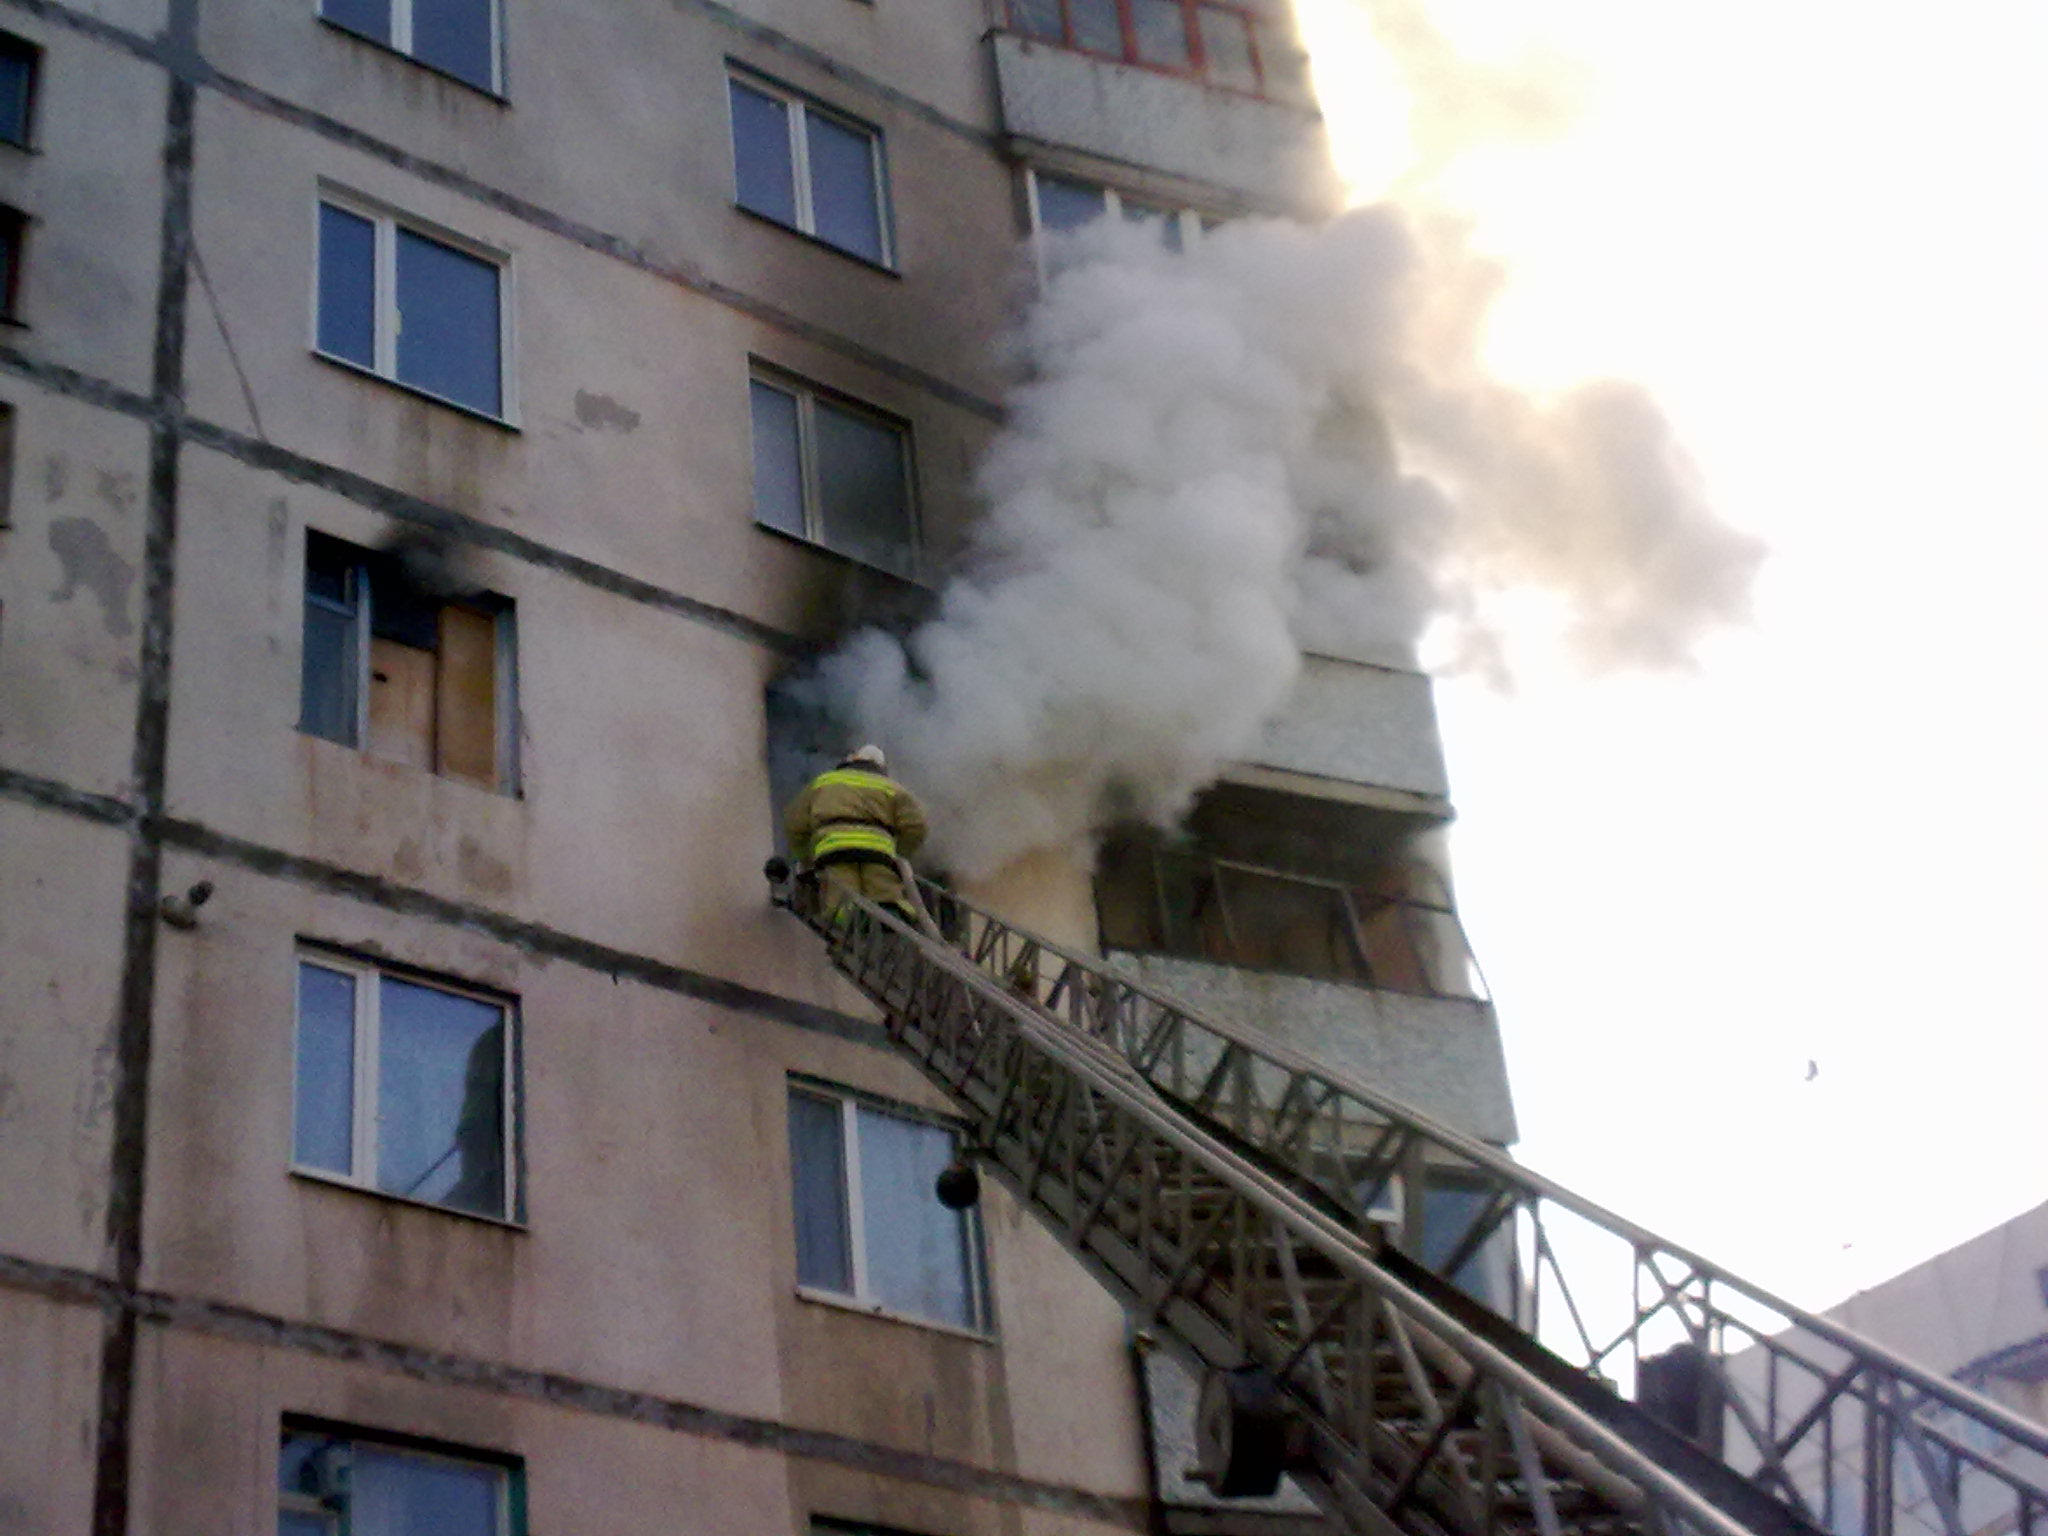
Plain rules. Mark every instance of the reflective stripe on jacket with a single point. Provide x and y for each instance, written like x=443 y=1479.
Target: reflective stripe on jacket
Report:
x=851 y=815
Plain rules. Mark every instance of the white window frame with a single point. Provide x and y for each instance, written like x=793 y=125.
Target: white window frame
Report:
x=387 y=221
x=862 y=1297
x=807 y=395
x=401 y=42
x=800 y=106
x=364 y=1087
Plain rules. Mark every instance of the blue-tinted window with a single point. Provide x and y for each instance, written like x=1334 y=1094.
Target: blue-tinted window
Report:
x=863 y=488
x=1068 y=205
x=1448 y=1214
x=906 y=1253
x=455 y=36
x=348 y=285
x=817 y=1161
x=810 y=169
x=368 y=18
x=1097 y=27
x=325 y=1101
x=448 y=322
x=331 y=663
x=844 y=188
x=763 y=166
x=331 y=1483
x=19 y=59
x=438 y=328
x=834 y=474
x=919 y=1254
x=778 y=458
x=440 y=1097
x=434 y=1125
x=1160 y=32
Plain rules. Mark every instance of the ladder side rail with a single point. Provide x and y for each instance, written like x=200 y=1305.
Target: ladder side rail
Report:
x=1535 y=1186
x=1116 y=1083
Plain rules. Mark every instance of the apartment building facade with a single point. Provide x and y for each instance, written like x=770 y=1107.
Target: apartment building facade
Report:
x=432 y=429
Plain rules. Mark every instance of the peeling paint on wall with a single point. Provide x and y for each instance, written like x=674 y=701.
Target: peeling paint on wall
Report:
x=88 y=560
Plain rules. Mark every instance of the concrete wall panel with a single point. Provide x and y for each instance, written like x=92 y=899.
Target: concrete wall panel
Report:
x=1271 y=154
x=49 y=1359
x=210 y=1413
x=61 y=908
x=71 y=579
x=1441 y=1055
x=1362 y=724
x=89 y=273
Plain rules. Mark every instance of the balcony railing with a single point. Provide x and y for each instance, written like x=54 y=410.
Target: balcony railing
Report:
x=1196 y=906
x=1223 y=44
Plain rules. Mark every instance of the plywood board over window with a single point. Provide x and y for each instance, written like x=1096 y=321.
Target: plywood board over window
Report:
x=408 y=676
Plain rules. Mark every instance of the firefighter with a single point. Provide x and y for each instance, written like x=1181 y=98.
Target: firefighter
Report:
x=856 y=826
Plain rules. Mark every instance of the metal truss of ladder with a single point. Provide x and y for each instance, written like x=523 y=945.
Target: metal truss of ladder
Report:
x=1235 y=1194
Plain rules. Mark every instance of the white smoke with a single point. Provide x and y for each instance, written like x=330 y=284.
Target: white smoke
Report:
x=1200 y=479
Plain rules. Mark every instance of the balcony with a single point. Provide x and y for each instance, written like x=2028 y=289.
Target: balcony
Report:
x=1197 y=122
x=1370 y=973
x=1362 y=724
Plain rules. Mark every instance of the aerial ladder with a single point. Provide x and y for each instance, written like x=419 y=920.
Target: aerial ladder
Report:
x=1234 y=1195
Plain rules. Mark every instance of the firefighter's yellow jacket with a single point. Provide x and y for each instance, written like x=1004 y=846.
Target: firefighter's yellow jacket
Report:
x=853 y=815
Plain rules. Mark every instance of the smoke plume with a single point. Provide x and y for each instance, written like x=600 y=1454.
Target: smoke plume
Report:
x=1281 y=439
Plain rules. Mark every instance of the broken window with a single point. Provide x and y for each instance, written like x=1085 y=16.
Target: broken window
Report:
x=1317 y=897
x=833 y=472
x=402 y=674
x=423 y=309
x=456 y=37
x=868 y=1227
x=813 y=169
x=332 y=1480
x=404 y=1086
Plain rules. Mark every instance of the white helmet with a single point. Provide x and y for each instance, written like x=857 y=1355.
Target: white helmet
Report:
x=871 y=755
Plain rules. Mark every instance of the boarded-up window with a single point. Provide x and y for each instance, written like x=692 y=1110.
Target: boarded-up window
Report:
x=409 y=676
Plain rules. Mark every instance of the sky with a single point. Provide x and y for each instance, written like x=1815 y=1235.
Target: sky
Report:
x=1761 y=932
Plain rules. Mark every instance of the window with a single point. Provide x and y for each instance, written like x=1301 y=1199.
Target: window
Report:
x=20 y=62
x=1060 y=205
x=456 y=37
x=1223 y=44
x=404 y=1086
x=868 y=1226
x=833 y=472
x=426 y=311
x=403 y=673
x=332 y=1481
x=13 y=245
x=805 y=166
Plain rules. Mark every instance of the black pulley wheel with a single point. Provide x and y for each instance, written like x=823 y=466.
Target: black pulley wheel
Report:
x=1241 y=1433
